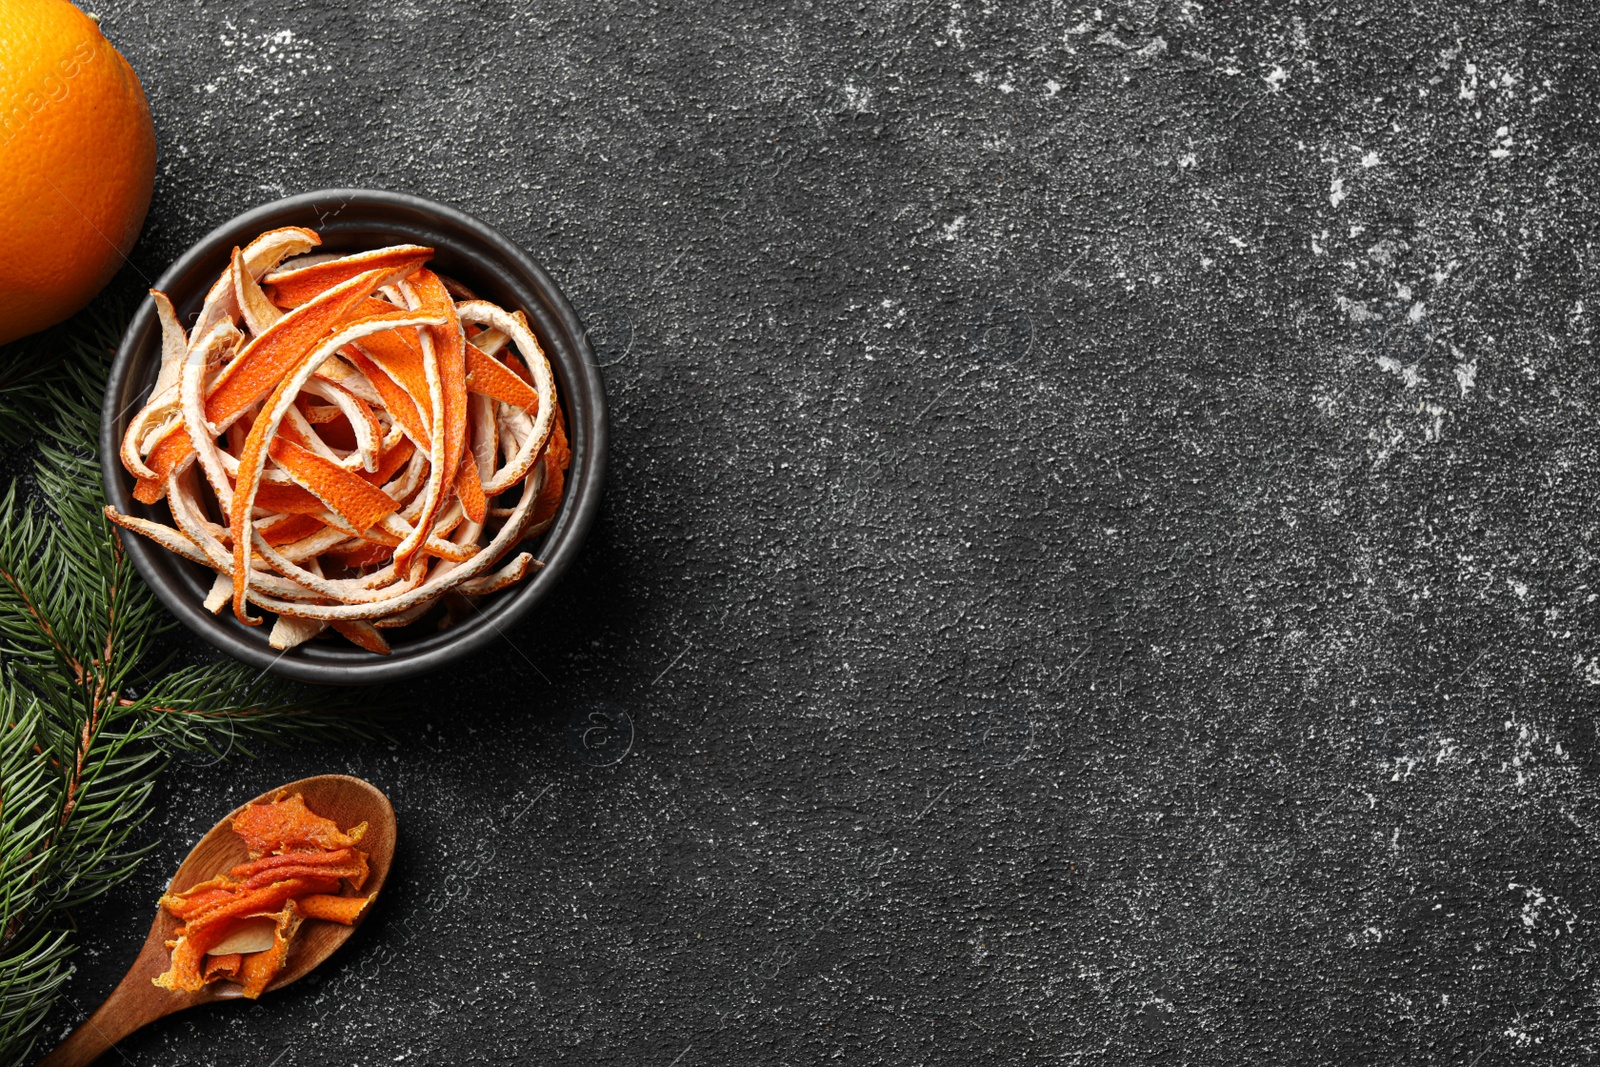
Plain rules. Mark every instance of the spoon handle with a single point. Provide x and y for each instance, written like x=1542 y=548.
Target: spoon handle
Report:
x=133 y=1003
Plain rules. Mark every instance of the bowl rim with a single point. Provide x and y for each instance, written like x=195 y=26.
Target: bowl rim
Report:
x=583 y=397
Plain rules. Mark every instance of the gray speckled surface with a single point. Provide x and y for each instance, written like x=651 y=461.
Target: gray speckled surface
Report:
x=1099 y=547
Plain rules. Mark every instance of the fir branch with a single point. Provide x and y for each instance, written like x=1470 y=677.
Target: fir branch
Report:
x=27 y=812
x=87 y=720
x=34 y=364
x=223 y=708
x=31 y=978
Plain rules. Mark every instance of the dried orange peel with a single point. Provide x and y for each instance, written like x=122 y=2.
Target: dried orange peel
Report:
x=347 y=440
x=299 y=861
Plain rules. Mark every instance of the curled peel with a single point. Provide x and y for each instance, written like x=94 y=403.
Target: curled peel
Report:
x=354 y=420
x=238 y=927
x=285 y=824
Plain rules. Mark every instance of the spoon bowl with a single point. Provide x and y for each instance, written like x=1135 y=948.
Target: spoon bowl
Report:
x=137 y=1000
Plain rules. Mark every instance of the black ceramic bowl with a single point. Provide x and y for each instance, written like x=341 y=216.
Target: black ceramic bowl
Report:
x=466 y=249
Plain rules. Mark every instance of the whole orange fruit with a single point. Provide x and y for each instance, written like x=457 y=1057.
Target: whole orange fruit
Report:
x=77 y=162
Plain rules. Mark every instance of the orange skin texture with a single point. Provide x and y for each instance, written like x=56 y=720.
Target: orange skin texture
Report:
x=354 y=869
x=258 y=969
x=220 y=897
x=348 y=495
x=364 y=635
x=293 y=529
x=449 y=346
x=295 y=287
x=367 y=555
x=279 y=860
x=78 y=151
x=290 y=499
x=287 y=825
x=333 y=909
x=220 y=967
x=348 y=863
x=386 y=381
x=294 y=500
x=198 y=898
x=489 y=376
x=557 y=458
x=470 y=489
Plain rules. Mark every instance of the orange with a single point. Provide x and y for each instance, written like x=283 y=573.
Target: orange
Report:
x=78 y=160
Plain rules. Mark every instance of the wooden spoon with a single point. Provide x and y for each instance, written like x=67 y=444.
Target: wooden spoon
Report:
x=136 y=1001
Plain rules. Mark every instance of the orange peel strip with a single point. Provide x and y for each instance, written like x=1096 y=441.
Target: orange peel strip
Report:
x=520 y=568
x=451 y=342
x=443 y=363
x=261 y=256
x=289 y=499
x=470 y=490
x=288 y=632
x=396 y=399
x=254 y=457
x=258 y=312
x=489 y=376
x=293 y=528
x=285 y=824
x=354 y=869
x=314 y=857
x=258 y=969
x=293 y=288
x=162 y=404
x=212 y=925
x=165 y=536
x=221 y=968
x=219 y=596
x=351 y=497
x=191 y=397
x=174 y=343
x=399 y=353
x=200 y=897
x=330 y=908
x=544 y=384
x=557 y=457
x=406 y=617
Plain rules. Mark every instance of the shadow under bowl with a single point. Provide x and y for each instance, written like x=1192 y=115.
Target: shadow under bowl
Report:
x=350 y=220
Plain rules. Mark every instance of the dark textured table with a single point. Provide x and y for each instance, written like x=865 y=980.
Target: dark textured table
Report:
x=1098 y=552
